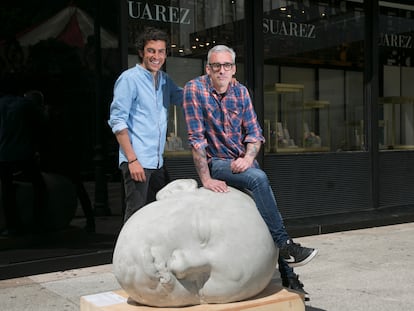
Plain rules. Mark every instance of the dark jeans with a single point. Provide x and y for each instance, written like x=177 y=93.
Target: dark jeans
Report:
x=28 y=171
x=138 y=194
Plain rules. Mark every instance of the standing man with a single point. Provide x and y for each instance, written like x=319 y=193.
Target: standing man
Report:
x=225 y=138
x=138 y=118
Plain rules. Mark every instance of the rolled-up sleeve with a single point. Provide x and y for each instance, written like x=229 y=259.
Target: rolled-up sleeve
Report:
x=124 y=93
x=253 y=130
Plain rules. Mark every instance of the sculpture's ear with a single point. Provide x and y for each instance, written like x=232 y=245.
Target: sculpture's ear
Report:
x=177 y=187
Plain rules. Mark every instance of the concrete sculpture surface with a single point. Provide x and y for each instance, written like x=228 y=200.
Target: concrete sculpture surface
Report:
x=194 y=246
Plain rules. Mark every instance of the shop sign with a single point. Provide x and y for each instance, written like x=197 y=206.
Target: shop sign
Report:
x=396 y=41
x=159 y=13
x=292 y=29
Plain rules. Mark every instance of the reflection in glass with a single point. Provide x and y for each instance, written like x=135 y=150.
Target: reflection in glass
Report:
x=318 y=45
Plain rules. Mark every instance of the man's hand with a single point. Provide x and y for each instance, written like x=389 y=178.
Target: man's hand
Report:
x=240 y=165
x=216 y=185
x=137 y=171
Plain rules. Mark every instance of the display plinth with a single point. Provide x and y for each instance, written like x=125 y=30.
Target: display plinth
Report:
x=272 y=298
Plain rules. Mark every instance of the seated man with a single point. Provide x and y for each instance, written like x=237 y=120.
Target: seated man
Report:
x=225 y=138
x=194 y=246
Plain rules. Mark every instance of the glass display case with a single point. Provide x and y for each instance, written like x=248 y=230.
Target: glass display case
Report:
x=292 y=124
x=176 y=143
x=355 y=136
x=316 y=120
x=396 y=122
x=283 y=117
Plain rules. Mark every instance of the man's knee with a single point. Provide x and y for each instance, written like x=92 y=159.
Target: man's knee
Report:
x=259 y=177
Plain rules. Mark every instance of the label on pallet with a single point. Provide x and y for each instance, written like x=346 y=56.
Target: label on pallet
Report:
x=105 y=299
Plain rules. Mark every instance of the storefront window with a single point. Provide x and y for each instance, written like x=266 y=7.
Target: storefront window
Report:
x=396 y=104
x=194 y=27
x=313 y=75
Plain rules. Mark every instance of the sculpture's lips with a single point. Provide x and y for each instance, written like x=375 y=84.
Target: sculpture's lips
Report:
x=156 y=270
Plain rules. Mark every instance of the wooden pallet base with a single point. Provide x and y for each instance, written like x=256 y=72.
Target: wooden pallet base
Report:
x=273 y=298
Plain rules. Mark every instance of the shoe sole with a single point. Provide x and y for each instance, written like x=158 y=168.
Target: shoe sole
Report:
x=305 y=261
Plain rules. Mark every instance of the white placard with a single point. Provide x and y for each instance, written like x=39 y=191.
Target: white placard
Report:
x=105 y=299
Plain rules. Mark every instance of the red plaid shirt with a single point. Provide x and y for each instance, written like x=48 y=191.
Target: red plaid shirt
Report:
x=221 y=125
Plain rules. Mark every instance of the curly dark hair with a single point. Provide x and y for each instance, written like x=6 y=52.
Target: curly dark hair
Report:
x=150 y=33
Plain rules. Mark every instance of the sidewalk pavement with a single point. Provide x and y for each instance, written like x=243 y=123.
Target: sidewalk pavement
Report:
x=361 y=270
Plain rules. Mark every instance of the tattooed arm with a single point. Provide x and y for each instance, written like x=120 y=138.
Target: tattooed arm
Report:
x=241 y=164
x=203 y=171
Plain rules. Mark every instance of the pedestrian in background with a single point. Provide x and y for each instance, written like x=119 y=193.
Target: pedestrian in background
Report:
x=21 y=124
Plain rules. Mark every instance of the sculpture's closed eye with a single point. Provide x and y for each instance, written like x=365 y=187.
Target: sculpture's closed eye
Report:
x=202 y=227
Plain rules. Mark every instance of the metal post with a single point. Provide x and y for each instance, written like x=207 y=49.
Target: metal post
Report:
x=254 y=59
x=101 y=191
x=371 y=93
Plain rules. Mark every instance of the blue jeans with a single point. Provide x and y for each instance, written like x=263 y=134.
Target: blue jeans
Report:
x=256 y=182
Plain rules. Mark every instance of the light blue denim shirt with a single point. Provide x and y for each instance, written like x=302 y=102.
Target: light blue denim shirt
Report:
x=143 y=109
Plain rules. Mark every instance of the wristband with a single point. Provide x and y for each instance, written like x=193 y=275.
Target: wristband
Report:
x=132 y=161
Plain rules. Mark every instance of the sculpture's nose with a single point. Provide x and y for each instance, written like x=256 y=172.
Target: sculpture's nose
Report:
x=189 y=265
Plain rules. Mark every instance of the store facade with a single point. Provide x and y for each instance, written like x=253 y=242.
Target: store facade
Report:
x=331 y=82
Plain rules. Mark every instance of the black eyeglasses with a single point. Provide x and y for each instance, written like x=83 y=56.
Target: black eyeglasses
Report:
x=217 y=66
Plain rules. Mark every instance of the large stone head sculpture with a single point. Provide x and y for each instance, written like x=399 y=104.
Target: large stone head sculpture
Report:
x=194 y=246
